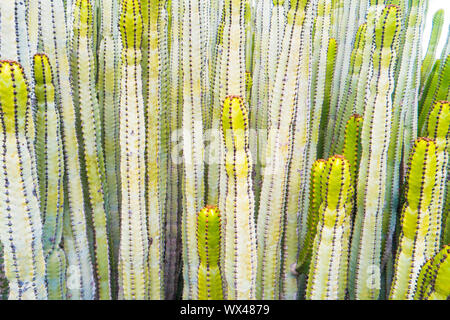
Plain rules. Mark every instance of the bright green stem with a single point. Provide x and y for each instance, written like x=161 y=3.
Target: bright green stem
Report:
x=331 y=61
x=208 y=244
x=436 y=29
x=440 y=92
x=239 y=230
x=433 y=282
x=85 y=98
x=352 y=144
x=437 y=128
x=417 y=221
x=133 y=253
x=329 y=261
x=364 y=273
x=20 y=219
x=430 y=85
x=315 y=200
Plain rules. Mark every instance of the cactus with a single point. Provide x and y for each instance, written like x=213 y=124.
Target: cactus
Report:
x=329 y=261
x=140 y=112
x=439 y=90
x=54 y=40
x=172 y=234
x=56 y=274
x=427 y=63
x=417 y=242
x=330 y=65
x=133 y=253
x=240 y=231
x=286 y=140
x=85 y=100
x=156 y=171
x=193 y=182
x=208 y=243
x=351 y=83
x=20 y=220
x=50 y=170
x=366 y=241
x=433 y=281
x=108 y=86
x=352 y=144
x=438 y=128
x=315 y=194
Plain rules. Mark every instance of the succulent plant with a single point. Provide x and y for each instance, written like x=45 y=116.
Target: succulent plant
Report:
x=122 y=119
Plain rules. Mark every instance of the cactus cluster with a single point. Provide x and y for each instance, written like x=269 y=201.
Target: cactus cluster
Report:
x=223 y=149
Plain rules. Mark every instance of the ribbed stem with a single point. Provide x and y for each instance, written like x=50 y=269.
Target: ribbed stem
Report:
x=133 y=252
x=239 y=230
x=417 y=238
x=20 y=219
x=208 y=243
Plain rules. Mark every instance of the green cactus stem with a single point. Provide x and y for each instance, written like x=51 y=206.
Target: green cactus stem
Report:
x=20 y=219
x=156 y=171
x=437 y=128
x=240 y=230
x=366 y=241
x=258 y=116
x=348 y=103
x=417 y=242
x=329 y=261
x=231 y=63
x=287 y=139
x=56 y=275
x=108 y=94
x=441 y=91
x=348 y=21
x=433 y=283
x=330 y=65
x=193 y=183
x=133 y=253
x=49 y=157
x=208 y=243
x=436 y=29
x=50 y=169
x=85 y=99
x=430 y=85
x=276 y=33
x=352 y=144
x=302 y=144
x=315 y=194
x=172 y=231
x=54 y=40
